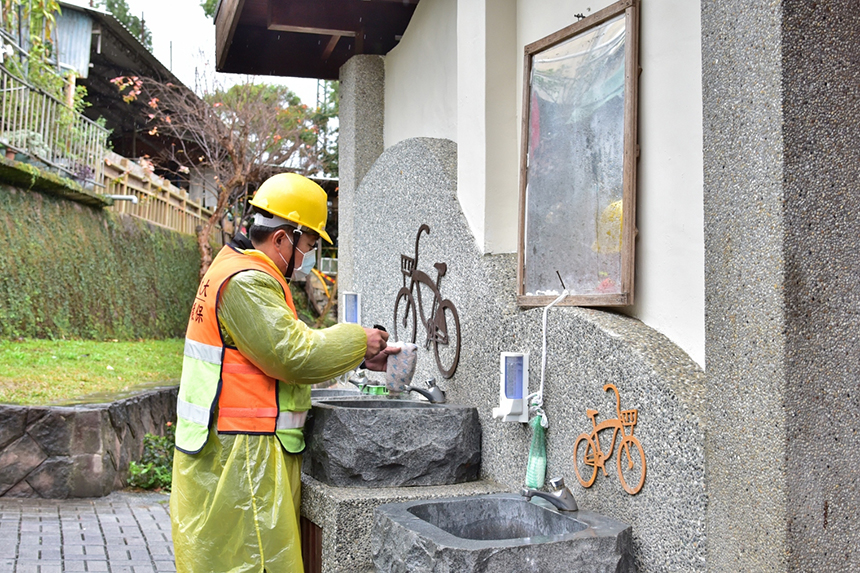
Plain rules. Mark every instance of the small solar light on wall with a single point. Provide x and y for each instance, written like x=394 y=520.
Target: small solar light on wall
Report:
x=351 y=304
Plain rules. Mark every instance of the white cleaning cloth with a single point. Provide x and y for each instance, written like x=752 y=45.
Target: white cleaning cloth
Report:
x=400 y=367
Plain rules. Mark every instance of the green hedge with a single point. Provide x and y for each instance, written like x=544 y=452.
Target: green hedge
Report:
x=76 y=271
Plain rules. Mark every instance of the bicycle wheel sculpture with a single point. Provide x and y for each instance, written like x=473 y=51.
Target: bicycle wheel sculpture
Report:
x=404 y=316
x=446 y=343
x=585 y=457
x=438 y=316
x=631 y=465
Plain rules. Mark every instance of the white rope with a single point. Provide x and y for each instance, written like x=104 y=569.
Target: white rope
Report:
x=536 y=404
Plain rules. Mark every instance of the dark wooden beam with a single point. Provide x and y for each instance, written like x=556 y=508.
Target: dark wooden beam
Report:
x=330 y=47
x=261 y=52
x=308 y=30
x=311 y=38
x=314 y=17
x=225 y=28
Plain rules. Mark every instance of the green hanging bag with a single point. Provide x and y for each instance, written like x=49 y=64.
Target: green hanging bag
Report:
x=536 y=468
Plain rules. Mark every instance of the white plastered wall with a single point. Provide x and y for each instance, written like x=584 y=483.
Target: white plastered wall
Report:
x=457 y=74
x=487 y=170
x=670 y=253
x=421 y=76
x=453 y=76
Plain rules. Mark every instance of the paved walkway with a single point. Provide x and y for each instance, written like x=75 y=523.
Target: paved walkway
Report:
x=120 y=533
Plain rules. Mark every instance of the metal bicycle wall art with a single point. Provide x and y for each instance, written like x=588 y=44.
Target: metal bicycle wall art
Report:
x=588 y=454
x=422 y=300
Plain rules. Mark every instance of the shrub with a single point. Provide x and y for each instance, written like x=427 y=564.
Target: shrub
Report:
x=70 y=271
x=155 y=468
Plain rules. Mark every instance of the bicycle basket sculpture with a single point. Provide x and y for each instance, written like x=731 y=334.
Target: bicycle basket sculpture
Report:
x=588 y=455
x=422 y=301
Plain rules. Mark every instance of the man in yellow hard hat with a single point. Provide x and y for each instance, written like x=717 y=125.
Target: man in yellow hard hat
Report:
x=245 y=390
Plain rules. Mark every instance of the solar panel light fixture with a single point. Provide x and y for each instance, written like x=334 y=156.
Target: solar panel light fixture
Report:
x=351 y=304
x=328 y=265
x=132 y=198
x=513 y=387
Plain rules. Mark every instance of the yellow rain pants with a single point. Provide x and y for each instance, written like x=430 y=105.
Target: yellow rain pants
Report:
x=235 y=505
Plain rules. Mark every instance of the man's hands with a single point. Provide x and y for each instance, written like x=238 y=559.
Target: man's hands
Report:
x=378 y=351
x=379 y=362
x=377 y=340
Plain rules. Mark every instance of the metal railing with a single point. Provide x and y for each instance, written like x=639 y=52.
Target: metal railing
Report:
x=158 y=200
x=52 y=135
x=37 y=124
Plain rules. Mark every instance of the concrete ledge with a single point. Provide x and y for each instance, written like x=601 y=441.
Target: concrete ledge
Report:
x=26 y=176
x=77 y=451
x=346 y=516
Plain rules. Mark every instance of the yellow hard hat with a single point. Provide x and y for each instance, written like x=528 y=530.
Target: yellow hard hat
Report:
x=296 y=198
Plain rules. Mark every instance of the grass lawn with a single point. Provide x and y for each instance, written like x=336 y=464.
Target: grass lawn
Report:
x=34 y=372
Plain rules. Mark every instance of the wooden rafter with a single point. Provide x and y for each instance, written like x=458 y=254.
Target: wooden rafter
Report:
x=330 y=47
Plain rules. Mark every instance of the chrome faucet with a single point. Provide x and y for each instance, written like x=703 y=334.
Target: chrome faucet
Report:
x=433 y=393
x=560 y=496
x=359 y=379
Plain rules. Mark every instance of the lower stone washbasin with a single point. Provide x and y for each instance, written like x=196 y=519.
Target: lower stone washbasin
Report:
x=390 y=442
x=379 y=403
x=499 y=532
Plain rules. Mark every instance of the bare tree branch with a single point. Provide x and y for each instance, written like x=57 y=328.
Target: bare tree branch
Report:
x=229 y=139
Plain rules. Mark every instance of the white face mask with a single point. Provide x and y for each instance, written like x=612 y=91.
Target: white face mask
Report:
x=309 y=259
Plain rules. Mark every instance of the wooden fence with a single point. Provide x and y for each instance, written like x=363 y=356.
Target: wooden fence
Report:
x=159 y=201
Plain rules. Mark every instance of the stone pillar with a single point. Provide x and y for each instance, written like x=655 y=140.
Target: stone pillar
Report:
x=781 y=102
x=362 y=95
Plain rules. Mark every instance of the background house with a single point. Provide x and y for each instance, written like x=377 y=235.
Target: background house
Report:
x=41 y=128
x=740 y=351
x=98 y=48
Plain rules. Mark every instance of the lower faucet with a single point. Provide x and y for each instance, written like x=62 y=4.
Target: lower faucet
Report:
x=560 y=497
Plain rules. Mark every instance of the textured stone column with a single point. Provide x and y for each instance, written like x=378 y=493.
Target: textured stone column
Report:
x=781 y=102
x=362 y=95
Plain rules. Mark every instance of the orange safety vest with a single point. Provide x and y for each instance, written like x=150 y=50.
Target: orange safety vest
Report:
x=247 y=397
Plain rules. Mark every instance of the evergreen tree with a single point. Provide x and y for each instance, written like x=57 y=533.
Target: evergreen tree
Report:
x=135 y=25
x=209 y=7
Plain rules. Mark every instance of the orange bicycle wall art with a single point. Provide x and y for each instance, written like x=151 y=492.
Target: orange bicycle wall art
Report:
x=588 y=455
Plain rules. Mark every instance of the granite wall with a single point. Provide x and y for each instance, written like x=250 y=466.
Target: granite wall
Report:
x=77 y=451
x=781 y=101
x=414 y=182
x=361 y=118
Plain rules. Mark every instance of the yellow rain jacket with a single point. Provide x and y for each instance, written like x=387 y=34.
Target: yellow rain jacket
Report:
x=235 y=504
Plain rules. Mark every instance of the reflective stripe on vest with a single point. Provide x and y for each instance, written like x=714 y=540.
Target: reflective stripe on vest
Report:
x=247 y=397
x=192 y=412
x=204 y=352
x=291 y=420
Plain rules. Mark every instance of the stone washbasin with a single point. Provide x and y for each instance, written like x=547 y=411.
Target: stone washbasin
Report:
x=377 y=441
x=377 y=403
x=497 y=532
x=324 y=393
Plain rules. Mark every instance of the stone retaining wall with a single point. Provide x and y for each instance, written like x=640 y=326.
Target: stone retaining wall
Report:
x=58 y=452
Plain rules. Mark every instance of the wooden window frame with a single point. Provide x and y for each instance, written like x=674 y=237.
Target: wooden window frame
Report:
x=630 y=9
